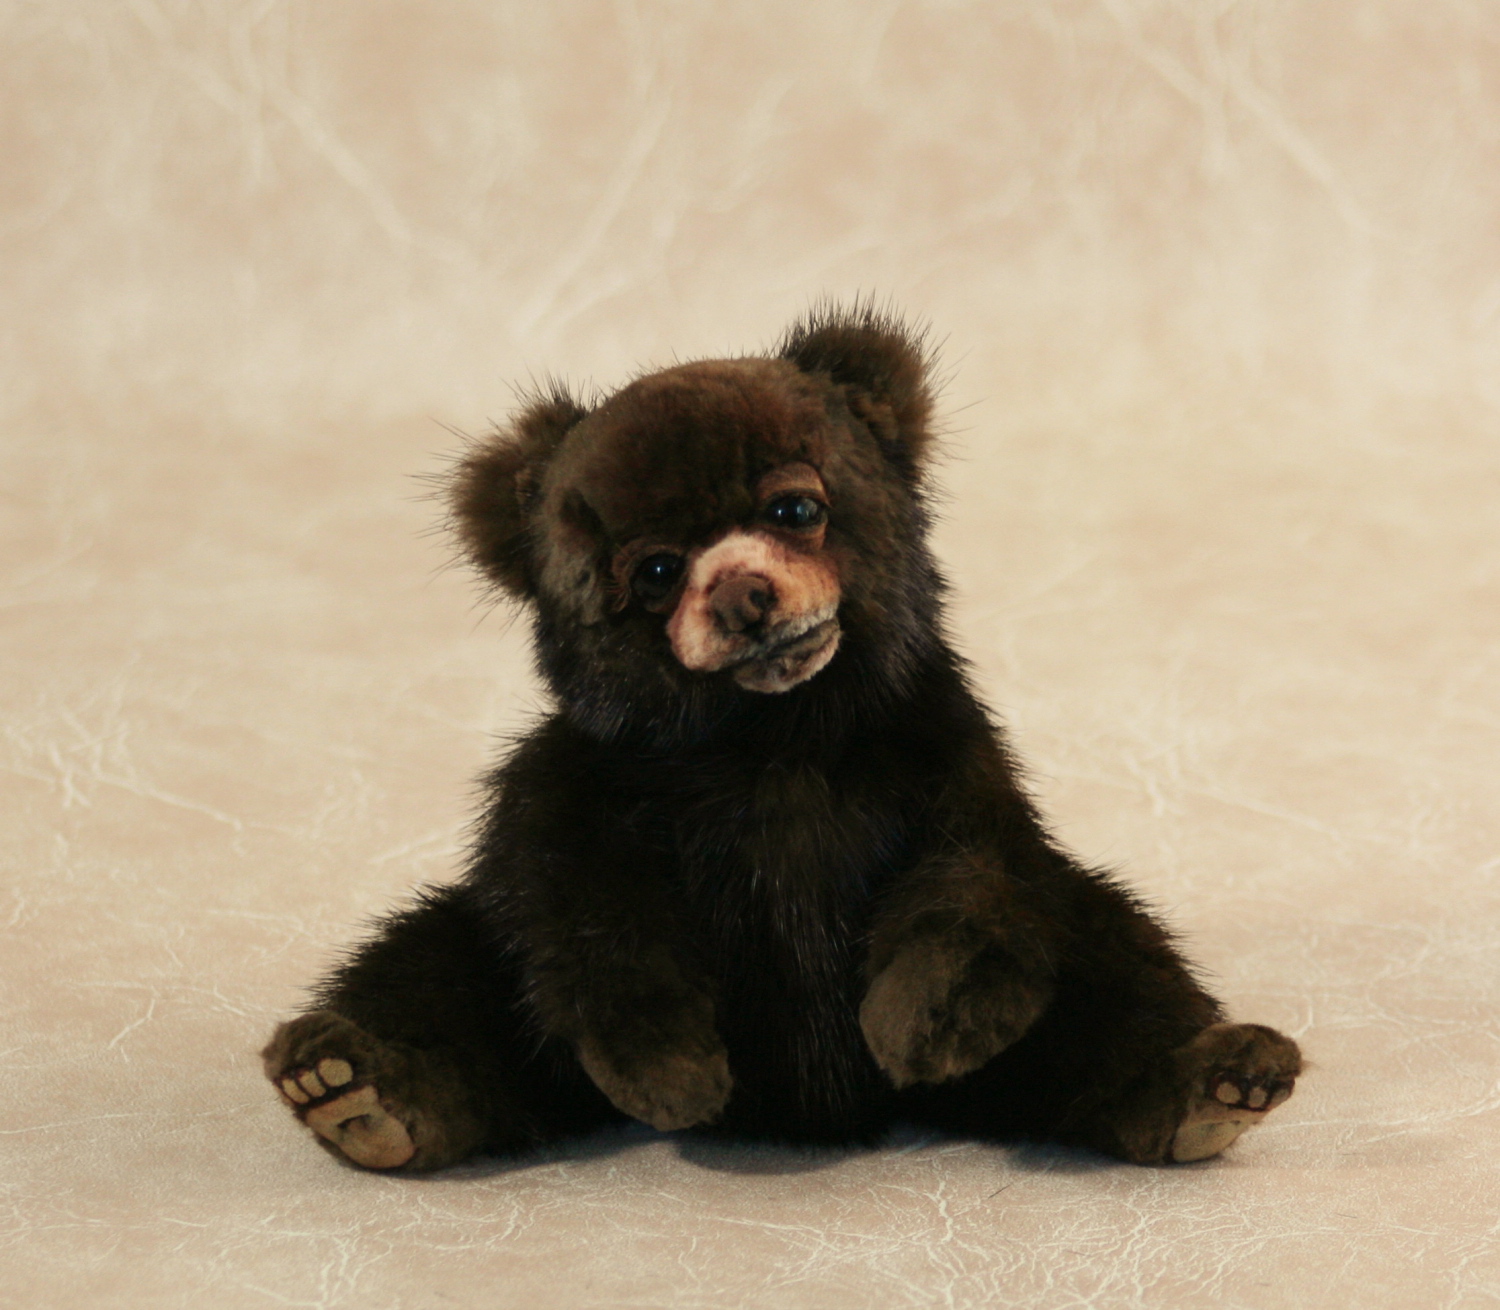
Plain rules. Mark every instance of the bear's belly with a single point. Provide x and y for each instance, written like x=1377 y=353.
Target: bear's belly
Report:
x=789 y=983
x=780 y=892
x=801 y=1068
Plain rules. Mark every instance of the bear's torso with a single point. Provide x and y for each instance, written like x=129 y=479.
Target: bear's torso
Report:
x=780 y=869
x=780 y=854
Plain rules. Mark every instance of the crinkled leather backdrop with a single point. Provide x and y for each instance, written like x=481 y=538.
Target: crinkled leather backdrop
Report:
x=1219 y=286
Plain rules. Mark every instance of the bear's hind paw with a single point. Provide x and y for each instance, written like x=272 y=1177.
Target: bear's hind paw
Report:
x=325 y=1069
x=1240 y=1073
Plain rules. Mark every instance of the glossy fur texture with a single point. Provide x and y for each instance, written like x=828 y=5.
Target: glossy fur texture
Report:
x=767 y=866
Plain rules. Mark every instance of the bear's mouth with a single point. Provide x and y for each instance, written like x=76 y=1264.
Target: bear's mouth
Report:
x=786 y=659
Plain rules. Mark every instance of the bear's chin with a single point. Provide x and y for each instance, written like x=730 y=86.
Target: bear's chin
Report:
x=791 y=664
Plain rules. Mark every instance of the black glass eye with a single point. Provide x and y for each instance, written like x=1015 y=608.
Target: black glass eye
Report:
x=796 y=512
x=655 y=576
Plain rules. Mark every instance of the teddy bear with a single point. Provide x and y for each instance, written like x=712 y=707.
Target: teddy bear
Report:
x=767 y=868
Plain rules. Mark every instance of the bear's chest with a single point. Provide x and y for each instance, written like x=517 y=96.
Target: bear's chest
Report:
x=787 y=858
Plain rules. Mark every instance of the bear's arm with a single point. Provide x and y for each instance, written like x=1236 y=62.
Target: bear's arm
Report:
x=585 y=902
x=964 y=947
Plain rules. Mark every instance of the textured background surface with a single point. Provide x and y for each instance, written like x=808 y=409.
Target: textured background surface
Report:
x=1220 y=285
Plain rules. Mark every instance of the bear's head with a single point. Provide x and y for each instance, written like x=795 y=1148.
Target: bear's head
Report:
x=721 y=531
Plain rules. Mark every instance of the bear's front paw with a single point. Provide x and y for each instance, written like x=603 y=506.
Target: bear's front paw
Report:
x=938 y=1011
x=668 y=1091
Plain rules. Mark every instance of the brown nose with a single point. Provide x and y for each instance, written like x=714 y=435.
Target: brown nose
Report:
x=742 y=602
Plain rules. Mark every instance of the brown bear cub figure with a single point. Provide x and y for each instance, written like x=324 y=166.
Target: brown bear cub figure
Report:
x=768 y=865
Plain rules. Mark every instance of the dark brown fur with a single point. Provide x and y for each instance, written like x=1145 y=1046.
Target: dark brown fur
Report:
x=792 y=916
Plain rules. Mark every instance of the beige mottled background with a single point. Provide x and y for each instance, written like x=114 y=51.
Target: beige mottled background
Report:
x=1220 y=290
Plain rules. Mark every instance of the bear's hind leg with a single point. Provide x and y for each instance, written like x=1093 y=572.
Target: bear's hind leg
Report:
x=420 y=1052
x=1132 y=1057
x=1118 y=1091
x=1157 y=1076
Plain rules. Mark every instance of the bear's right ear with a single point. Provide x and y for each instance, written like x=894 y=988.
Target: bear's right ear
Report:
x=495 y=486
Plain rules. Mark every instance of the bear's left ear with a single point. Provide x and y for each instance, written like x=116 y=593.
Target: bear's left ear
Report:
x=495 y=486
x=883 y=366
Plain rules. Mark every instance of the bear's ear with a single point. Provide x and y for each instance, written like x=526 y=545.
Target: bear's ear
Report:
x=884 y=367
x=495 y=486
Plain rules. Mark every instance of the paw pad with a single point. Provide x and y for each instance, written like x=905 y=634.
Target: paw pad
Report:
x=1249 y=1093
x=363 y=1129
x=349 y=1115
x=306 y=1085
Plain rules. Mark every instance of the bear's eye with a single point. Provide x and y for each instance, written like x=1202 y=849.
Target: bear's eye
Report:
x=795 y=512
x=655 y=576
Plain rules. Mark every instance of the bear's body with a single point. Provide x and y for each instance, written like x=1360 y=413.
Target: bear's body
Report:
x=768 y=866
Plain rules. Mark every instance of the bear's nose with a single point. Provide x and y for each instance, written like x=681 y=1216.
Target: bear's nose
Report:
x=740 y=603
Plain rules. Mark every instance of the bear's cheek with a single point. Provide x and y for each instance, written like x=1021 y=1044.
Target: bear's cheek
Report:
x=747 y=596
x=568 y=573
